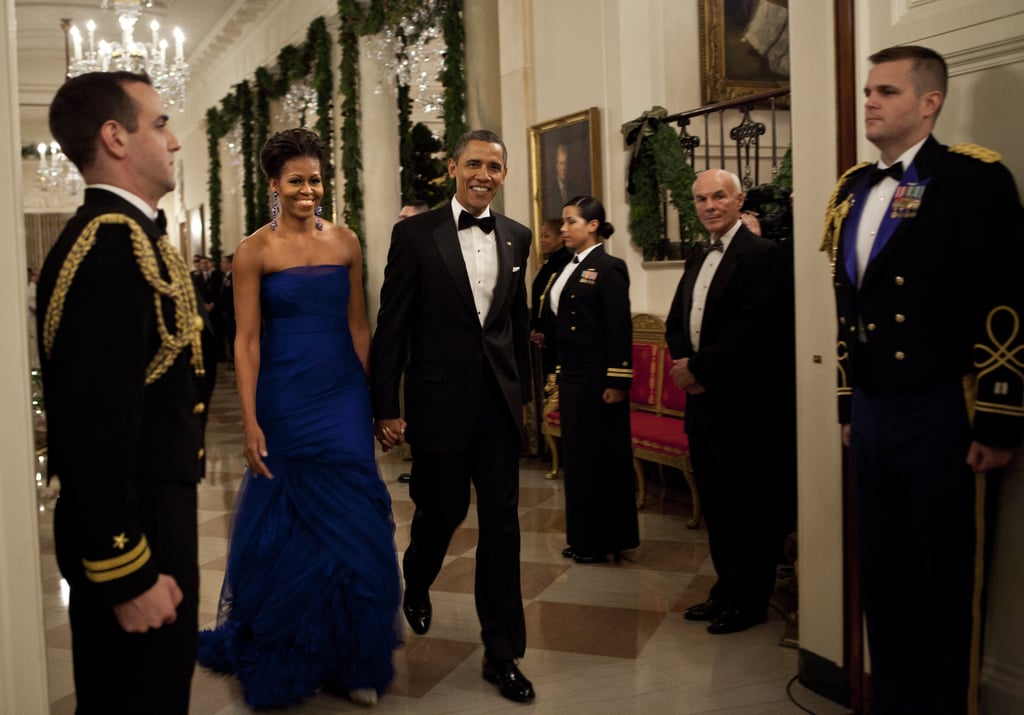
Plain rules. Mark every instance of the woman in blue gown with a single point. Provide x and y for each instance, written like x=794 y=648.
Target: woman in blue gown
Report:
x=311 y=592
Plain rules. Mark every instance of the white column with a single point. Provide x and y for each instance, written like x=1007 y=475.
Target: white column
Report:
x=22 y=648
x=382 y=188
x=483 y=74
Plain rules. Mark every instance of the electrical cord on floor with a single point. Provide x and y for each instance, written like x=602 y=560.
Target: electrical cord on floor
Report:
x=789 y=693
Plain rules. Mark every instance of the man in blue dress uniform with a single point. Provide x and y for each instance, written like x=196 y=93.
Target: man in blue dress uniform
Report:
x=926 y=256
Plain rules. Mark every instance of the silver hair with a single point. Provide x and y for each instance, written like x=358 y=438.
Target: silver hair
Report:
x=737 y=185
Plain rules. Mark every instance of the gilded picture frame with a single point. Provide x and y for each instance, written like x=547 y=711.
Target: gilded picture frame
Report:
x=744 y=48
x=565 y=161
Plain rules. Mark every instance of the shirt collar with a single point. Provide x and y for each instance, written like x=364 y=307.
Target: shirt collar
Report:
x=583 y=254
x=128 y=196
x=457 y=209
x=906 y=157
x=728 y=235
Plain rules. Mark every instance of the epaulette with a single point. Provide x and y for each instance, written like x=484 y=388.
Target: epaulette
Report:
x=977 y=152
x=836 y=213
x=179 y=289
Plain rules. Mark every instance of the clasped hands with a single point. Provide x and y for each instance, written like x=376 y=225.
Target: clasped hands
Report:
x=390 y=432
x=684 y=379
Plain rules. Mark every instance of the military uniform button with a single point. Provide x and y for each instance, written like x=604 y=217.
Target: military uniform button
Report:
x=572 y=328
x=900 y=318
x=199 y=408
x=201 y=453
x=842 y=320
x=871 y=326
x=853 y=328
x=899 y=280
x=899 y=355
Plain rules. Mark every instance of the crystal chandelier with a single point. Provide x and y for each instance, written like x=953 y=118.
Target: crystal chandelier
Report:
x=169 y=76
x=412 y=55
x=57 y=172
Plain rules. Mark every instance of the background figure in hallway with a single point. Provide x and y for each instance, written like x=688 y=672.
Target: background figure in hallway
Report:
x=556 y=255
x=311 y=592
x=453 y=316
x=120 y=350
x=724 y=331
x=588 y=307
x=927 y=274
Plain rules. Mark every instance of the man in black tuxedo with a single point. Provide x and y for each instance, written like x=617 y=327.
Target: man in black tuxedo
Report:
x=119 y=338
x=453 y=303
x=724 y=330
x=926 y=257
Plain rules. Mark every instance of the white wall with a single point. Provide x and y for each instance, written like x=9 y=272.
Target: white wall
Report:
x=22 y=649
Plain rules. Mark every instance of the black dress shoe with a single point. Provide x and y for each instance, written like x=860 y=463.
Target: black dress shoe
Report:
x=568 y=553
x=733 y=621
x=707 y=611
x=511 y=683
x=590 y=558
x=417 y=613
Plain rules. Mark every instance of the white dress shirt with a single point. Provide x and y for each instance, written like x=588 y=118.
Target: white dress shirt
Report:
x=480 y=253
x=703 y=282
x=129 y=197
x=555 y=294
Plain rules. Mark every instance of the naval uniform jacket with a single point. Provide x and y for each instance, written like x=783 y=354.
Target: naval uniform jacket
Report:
x=593 y=328
x=428 y=316
x=942 y=295
x=121 y=407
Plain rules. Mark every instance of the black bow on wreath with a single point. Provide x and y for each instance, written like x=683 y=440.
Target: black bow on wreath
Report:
x=643 y=126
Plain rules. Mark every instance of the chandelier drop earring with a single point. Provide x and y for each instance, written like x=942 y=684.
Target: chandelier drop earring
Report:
x=319 y=212
x=275 y=209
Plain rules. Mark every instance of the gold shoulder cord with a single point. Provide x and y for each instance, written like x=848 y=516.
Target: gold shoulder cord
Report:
x=976 y=152
x=179 y=289
x=835 y=215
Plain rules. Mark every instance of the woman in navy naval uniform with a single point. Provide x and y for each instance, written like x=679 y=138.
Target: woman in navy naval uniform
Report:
x=589 y=305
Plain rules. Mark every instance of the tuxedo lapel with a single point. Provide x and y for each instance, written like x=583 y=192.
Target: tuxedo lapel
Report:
x=446 y=238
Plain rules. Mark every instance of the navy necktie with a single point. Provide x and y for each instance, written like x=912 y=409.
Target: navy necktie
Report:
x=466 y=219
x=876 y=174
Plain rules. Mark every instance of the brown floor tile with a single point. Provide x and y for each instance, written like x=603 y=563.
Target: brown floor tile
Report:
x=593 y=630
x=425 y=662
x=402 y=511
x=64 y=706
x=696 y=592
x=537 y=577
x=456 y=576
x=59 y=637
x=462 y=541
x=218 y=564
x=550 y=521
x=671 y=556
x=532 y=496
x=216 y=499
x=217 y=526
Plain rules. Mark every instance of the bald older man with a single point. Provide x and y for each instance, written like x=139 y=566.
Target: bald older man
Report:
x=724 y=332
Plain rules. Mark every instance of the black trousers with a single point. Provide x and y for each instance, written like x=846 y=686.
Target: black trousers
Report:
x=119 y=673
x=440 y=489
x=915 y=501
x=738 y=464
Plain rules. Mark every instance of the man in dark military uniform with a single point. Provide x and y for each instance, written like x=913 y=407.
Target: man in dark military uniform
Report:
x=925 y=246
x=119 y=341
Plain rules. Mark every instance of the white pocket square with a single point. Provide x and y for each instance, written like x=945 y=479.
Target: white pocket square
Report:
x=515 y=269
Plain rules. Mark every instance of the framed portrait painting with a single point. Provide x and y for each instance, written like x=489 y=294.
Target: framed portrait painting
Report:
x=565 y=161
x=744 y=47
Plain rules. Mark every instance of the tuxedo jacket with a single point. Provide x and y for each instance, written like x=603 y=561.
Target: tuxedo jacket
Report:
x=942 y=295
x=121 y=408
x=594 y=328
x=428 y=326
x=741 y=353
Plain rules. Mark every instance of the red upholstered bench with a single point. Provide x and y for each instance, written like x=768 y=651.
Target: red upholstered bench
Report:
x=657 y=410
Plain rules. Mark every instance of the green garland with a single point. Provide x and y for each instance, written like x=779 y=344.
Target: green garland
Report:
x=453 y=76
x=254 y=114
x=348 y=87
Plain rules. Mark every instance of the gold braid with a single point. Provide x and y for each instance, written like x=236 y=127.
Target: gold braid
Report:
x=179 y=289
x=835 y=214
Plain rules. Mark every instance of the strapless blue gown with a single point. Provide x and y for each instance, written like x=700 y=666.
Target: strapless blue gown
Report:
x=311 y=593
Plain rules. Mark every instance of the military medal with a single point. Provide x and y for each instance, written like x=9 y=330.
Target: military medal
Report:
x=588 y=276
x=907 y=201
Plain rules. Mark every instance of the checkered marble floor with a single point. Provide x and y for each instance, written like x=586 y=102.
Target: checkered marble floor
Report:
x=607 y=638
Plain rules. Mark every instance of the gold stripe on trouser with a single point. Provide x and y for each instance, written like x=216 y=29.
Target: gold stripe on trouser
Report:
x=979 y=579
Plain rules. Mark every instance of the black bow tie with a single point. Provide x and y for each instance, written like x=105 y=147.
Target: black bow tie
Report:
x=716 y=246
x=876 y=174
x=466 y=219
x=161 y=220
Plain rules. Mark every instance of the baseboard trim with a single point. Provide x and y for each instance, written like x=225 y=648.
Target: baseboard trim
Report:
x=824 y=677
